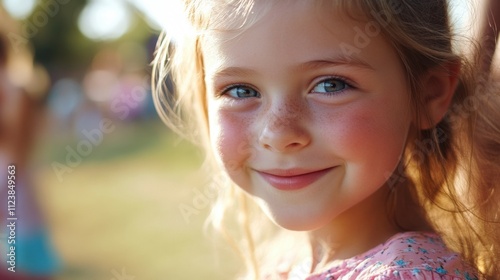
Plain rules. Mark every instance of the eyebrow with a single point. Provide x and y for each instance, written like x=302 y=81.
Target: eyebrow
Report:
x=233 y=72
x=340 y=60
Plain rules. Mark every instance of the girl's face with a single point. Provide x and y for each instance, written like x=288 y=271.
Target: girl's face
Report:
x=308 y=112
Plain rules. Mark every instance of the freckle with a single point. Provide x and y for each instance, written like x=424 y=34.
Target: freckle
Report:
x=287 y=115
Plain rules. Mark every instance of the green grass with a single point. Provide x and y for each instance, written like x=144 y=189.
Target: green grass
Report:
x=119 y=209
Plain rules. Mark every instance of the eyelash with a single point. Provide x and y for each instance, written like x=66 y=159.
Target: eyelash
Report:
x=224 y=91
x=347 y=82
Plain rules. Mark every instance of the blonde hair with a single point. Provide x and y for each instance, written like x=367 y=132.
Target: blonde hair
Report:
x=452 y=170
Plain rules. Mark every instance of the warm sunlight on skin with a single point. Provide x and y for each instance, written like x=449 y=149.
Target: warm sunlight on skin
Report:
x=310 y=131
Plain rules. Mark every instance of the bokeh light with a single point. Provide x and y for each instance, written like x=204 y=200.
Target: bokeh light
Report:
x=19 y=8
x=166 y=15
x=104 y=19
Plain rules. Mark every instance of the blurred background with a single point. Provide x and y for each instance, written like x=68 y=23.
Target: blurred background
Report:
x=104 y=189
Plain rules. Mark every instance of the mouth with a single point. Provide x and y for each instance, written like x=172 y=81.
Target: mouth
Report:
x=292 y=179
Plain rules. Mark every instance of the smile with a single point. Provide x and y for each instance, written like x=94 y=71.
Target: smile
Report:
x=292 y=179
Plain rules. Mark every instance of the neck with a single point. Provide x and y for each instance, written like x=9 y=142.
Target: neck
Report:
x=356 y=230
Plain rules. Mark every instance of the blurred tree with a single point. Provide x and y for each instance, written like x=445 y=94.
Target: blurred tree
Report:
x=59 y=45
x=57 y=41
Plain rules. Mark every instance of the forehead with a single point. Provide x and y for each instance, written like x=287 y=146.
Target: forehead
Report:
x=285 y=33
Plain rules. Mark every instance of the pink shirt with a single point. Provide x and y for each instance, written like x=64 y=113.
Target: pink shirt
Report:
x=408 y=255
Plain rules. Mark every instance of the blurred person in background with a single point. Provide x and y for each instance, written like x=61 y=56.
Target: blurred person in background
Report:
x=23 y=86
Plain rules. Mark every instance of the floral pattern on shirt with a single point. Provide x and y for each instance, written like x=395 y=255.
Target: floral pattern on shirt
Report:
x=408 y=255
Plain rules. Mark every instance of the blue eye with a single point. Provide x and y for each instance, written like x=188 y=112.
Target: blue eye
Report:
x=241 y=91
x=330 y=85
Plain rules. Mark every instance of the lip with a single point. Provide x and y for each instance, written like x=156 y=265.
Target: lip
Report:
x=292 y=179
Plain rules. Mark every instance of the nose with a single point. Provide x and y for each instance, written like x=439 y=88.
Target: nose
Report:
x=283 y=130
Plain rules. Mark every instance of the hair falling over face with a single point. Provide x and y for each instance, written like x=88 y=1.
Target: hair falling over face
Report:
x=451 y=168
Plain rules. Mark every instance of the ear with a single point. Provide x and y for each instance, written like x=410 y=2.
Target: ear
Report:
x=439 y=85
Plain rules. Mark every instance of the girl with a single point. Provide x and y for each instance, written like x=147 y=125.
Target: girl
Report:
x=353 y=124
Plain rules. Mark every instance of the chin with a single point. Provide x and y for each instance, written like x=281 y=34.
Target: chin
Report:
x=296 y=221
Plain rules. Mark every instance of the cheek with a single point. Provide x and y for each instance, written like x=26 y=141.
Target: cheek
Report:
x=230 y=140
x=368 y=137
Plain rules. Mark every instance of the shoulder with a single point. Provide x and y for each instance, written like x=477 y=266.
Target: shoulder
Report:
x=414 y=254
x=409 y=255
